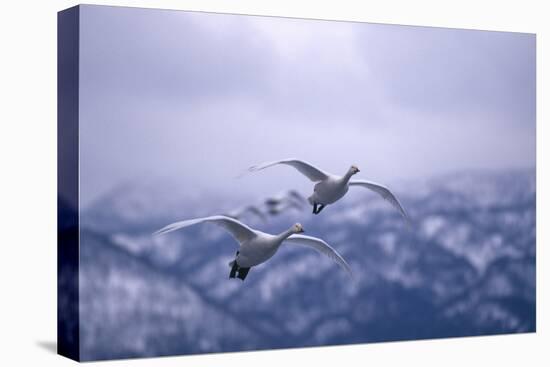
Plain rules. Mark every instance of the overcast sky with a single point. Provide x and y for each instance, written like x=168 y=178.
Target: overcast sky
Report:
x=203 y=96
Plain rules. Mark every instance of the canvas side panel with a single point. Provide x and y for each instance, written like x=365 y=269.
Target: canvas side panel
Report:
x=67 y=183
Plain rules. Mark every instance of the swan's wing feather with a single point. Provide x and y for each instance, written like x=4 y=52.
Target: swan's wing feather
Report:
x=321 y=246
x=384 y=192
x=240 y=231
x=308 y=170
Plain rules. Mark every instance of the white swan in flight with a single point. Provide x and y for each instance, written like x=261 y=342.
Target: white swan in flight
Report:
x=282 y=202
x=330 y=188
x=292 y=196
x=256 y=247
x=279 y=208
x=242 y=211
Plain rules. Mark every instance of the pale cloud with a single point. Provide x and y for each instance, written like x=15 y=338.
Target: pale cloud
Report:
x=206 y=95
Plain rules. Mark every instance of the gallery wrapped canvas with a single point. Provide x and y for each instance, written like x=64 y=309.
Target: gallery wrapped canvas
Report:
x=234 y=183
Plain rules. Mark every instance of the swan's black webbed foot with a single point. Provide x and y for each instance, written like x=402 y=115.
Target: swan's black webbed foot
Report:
x=234 y=269
x=317 y=208
x=243 y=272
x=314 y=208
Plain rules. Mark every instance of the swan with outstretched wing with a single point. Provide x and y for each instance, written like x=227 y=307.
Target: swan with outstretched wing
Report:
x=256 y=247
x=330 y=188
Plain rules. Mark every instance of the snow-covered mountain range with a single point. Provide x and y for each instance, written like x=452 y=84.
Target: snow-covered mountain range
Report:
x=466 y=266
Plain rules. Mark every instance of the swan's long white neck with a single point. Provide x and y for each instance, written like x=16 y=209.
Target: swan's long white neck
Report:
x=347 y=176
x=284 y=235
